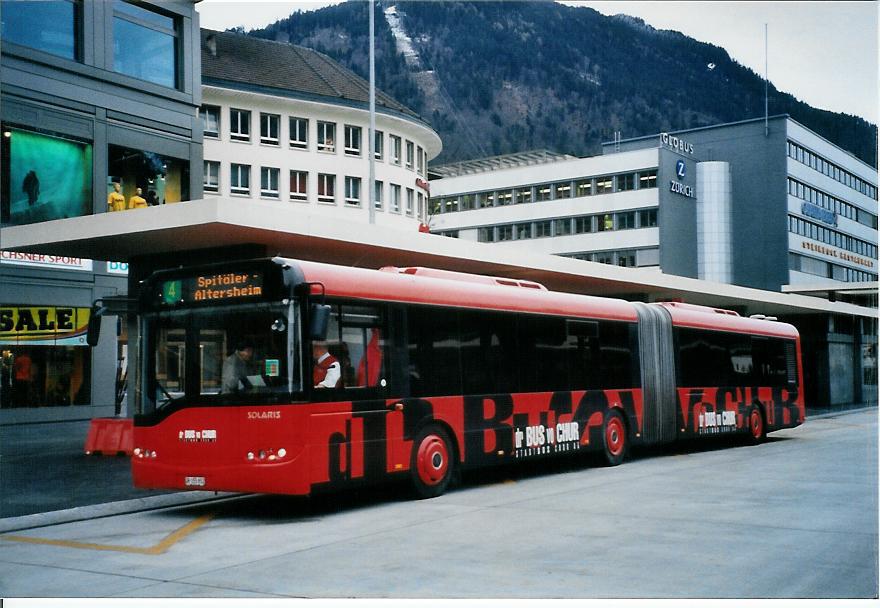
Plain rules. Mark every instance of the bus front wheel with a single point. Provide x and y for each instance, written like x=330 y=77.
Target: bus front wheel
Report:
x=614 y=438
x=432 y=465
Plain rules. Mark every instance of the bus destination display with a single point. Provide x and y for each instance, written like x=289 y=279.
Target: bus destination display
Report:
x=204 y=288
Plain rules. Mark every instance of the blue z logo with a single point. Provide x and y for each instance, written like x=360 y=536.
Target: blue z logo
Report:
x=680 y=169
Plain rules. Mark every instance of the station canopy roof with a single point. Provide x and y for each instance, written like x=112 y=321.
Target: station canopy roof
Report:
x=289 y=231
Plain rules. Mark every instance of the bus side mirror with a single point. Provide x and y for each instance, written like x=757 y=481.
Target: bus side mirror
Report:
x=319 y=319
x=94 y=331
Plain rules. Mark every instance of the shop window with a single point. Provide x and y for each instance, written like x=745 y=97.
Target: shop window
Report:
x=239 y=125
x=269 y=182
x=212 y=176
x=299 y=132
x=43 y=177
x=326 y=188
x=270 y=124
x=353 y=191
x=43 y=357
x=299 y=185
x=240 y=179
x=145 y=44
x=162 y=179
x=210 y=116
x=52 y=27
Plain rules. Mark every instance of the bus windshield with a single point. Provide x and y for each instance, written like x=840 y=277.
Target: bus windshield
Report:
x=245 y=353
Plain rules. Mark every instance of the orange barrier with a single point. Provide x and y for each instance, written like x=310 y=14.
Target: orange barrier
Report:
x=110 y=437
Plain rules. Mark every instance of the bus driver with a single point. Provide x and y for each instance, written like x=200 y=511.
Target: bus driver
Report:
x=235 y=369
x=327 y=372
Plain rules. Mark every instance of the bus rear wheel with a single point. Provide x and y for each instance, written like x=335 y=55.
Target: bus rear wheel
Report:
x=432 y=464
x=757 y=428
x=614 y=438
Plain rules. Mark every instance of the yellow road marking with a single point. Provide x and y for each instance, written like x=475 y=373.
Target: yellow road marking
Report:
x=161 y=547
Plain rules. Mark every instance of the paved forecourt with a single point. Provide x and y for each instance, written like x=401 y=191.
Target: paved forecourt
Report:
x=794 y=517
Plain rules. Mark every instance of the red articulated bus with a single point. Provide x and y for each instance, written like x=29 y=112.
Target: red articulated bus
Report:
x=429 y=372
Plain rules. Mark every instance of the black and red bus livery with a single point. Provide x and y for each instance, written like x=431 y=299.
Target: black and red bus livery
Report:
x=441 y=371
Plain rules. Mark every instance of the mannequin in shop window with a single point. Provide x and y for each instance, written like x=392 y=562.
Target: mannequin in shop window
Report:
x=137 y=201
x=115 y=200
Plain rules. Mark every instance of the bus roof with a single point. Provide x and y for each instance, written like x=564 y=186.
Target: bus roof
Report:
x=429 y=287
x=705 y=317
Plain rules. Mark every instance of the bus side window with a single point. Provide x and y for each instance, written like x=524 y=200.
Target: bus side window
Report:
x=362 y=346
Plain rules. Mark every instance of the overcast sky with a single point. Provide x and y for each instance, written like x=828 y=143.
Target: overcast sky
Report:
x=824 y=53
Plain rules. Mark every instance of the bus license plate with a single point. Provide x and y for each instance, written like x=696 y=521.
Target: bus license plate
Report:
x=197 y=482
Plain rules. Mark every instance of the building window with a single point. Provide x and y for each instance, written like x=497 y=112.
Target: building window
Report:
x=352 y=140
x=269 y=127
x=626 y=221
x=353 y=191
x=239 y=125
x=543 y=228
x=410 y=201
x=144 y=44
x=627 y=259
x=449 y=204
x=326 y=188
x=379 y=194
x=584 y=187
x=210 y=116
x=240 y=179
x=562 y=227
x=299 y=132
x=486 y=235
x=51 y=27
x=542 y=192
x=467 y=202
x=485 y=199
x=504 y=197
x=44 y=178
x=395 y=198
x=626 y=182
x=562 y=190
x=299 y=185
x=604 y=185
x=524 y=231
x=583 y=224
x=212 y=176
x=326 y=136
x=420 y=210
x=523 y=195
x=505 y=233
x=269 y=182
x=395 y=149
x=410 y=155
x=648 y=218
x=420 y=159
x=606 y=222
x=378 y=145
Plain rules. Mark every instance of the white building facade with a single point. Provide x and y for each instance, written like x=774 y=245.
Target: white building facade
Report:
x=303 y=140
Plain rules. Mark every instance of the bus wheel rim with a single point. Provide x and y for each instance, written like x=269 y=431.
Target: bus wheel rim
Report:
x=432 y=460
x=756 y=423
x=614 y=438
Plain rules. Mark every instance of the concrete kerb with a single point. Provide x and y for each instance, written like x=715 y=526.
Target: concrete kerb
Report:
x=109 y=509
